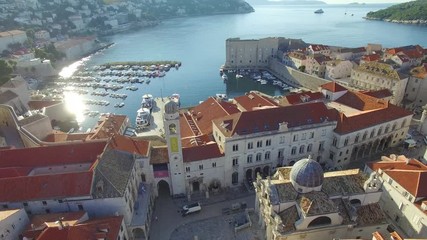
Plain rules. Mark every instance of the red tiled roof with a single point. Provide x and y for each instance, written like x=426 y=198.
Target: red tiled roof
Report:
x=108 y=126
x=35 y=105
x=420 y=71
x=333 y=87
x=130 y=145
x=304 y=97
x=194 y=141
x=100 y=228
x=318 y=47
x=402 y=57
x=361 y=101
x=252 y=100
x=58 y=136
x=384 y=93
x=196 y=153
x=320 y=59
x=41 y=187
x=269 y=119
x=371 y=57
x=51 y=155
x=198 y=121
x=159 y=155
x=364 y=120
x=298 y=55
x=413 y=53
x=412 y=175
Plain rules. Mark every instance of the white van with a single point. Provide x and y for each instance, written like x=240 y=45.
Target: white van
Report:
x=191 y=208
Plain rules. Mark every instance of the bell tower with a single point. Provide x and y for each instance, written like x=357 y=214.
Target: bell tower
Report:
x=173 y=139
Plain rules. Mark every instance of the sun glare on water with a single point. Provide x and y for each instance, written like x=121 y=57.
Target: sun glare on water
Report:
x=69 y=70
x=75 y=105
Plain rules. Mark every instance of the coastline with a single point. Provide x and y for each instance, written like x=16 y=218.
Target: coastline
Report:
x=411 y=22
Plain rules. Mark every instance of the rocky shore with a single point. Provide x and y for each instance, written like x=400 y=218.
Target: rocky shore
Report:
x=415 y=22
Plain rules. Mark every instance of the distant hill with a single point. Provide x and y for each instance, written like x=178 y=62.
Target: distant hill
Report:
x=285 y=2
x=409 y=12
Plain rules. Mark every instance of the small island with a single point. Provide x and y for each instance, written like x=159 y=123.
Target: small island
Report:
x=414 y=12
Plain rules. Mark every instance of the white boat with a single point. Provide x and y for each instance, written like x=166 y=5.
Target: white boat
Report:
x=319 y=11
x=147 y=101
x=142 y=117
x=175 y=97
x=222 y=96
x=224 y=77
x=263 y=82
x=239 y=76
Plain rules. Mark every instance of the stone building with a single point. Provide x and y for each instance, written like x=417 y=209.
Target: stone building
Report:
x=304 y=202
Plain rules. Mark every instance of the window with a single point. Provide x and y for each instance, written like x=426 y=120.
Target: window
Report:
x=346 y=142
x=394 y=127
x=321 y=146
x=301 y=149
x=334 y=142
x=331 y=155
x=364 y=136
x=60 y=201
x=268 y=142
x=403 y=124
x=282 y=139
x=201 y=167
x=250 y=145
x=47 y=210
x=235 y=147
x=235 y=161
x=309 y=147
x=357 y=138
x=372 y=133
x=267 y=155
x=258 y=157
x=249 y=158
x=187 y=169
x=214 y=164
x=5 y=206
x=44 y=202
x=380 y=131
x=80 y=207
x=259 y=144
x=323 y=132
x=25 y=204
x=303 y=136
x=294 y=150
x=311 y=135
x=295 y=138
x=387 y=128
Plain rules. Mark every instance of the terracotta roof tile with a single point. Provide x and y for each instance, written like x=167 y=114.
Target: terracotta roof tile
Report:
x=371 y=57
x=420 y=71
x=304 y=97
x=198 y=120
x=196 y=153
x=412 y=175
x=130 y=145
x=159 y=155
x=333 y=87
x=252 y=100
x=108 y=126
x=41 y=187
x=361 y=101
x=269 y=119
x=384 y=93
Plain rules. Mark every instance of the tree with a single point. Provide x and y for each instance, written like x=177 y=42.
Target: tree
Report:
x=301 y=68
x=5 y=72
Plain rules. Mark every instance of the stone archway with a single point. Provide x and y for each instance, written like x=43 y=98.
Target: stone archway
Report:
x=355 y=202
x=196 y=186
x=249 y=174
x=320 y=221
x=266 y=171
x=163 y=188
x=235 y=178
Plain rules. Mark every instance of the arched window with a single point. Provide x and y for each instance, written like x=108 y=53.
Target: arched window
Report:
x=258 y=157
x=301 y=149
x=372 y=133
x=334 y=142
x=357 y=138
x=309 y=147
x=403 y=124
x=294 y=150
x=394 y=127
x=380 y=131
x=387 y=128
x=267 y=155
x=249 y=158
x=172 y=128
x=320 y=221
x=364 y=136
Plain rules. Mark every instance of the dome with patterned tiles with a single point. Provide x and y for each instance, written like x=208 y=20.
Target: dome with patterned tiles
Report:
x=307 y=175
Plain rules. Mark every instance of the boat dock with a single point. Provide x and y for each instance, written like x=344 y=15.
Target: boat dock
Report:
x=156 y=127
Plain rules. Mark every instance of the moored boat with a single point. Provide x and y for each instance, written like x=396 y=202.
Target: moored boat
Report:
x=147 y=101
x=319 y=11
x=142 y=117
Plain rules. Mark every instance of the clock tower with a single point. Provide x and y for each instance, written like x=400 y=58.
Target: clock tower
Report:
x=173 y=139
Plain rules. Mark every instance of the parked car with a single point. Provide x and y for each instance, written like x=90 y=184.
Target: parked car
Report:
x=191 y=208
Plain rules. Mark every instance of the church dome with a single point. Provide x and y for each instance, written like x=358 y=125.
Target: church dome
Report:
x=171 y=107
x=307 y=175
